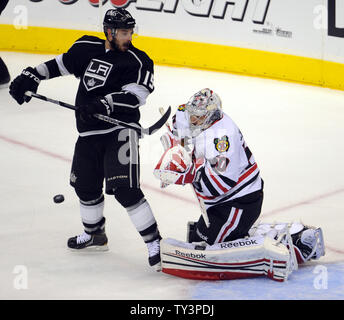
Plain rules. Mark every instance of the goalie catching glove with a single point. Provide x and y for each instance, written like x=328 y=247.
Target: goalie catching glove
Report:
x=176 y=166
x=168 y=140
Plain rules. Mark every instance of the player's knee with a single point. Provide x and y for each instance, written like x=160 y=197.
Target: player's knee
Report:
x=86 y=196
x=128 y=197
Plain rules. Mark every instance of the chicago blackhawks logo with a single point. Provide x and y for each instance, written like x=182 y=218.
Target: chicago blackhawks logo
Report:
x=181 y=107
x=222 y=144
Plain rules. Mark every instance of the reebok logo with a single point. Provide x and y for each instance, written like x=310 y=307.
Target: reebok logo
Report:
x=190 y=255
x=237 y=244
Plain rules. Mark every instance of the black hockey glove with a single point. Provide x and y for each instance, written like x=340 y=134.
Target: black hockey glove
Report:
x=28 y=80
x=3 y=4
x=98 y=105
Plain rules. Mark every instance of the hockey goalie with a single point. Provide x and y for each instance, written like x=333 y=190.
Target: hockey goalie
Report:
x=205 y=149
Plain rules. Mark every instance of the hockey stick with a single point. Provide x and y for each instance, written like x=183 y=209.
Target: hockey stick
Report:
x=199 y=200
x=144 y=131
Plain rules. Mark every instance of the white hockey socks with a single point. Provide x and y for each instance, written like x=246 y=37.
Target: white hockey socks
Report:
x=93 y=237
x=142 y=217
x=92 y=215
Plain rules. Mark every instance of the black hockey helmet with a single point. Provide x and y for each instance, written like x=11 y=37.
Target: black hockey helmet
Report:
x=118 y=18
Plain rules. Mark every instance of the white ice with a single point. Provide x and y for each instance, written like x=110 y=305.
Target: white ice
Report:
x=295 y=132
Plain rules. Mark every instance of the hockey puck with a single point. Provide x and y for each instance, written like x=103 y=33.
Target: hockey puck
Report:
x=59 y=198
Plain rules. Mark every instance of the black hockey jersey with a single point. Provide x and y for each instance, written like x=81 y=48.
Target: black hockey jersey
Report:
x=124 y=78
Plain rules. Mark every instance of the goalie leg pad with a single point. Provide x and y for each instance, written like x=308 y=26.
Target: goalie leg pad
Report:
x=308 y=242
x=242 y=258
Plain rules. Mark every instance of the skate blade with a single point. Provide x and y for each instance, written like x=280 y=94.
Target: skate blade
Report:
x=4 y=85
x=102 y=248
x=157 y=267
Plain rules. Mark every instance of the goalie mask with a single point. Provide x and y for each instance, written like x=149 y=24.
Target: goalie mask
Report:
x=204 y=108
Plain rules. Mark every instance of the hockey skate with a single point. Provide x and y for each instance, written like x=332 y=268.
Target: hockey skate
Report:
x=310 y=244
x=154 y=259
x=308 y=241
x=89 y=242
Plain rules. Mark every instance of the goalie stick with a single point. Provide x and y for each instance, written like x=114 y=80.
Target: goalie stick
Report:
x=199 y=200
x=143 y=131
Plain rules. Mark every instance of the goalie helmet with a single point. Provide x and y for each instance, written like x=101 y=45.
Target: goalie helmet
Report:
x=117 y=19
x=203 y=108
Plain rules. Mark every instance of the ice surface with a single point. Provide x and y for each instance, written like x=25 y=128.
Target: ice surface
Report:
x=295 y=132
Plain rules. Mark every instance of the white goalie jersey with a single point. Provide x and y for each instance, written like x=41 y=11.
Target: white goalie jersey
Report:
x=226 y=167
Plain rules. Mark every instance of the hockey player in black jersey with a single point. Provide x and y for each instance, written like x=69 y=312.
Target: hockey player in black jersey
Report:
x=4 y=74
x=115 y=80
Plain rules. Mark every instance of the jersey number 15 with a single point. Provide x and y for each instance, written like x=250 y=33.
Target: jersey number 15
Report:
x=149 y=80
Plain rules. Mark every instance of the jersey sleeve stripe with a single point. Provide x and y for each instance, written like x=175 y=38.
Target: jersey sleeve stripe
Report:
x=62 y=68
x=138 y=90
x=232 y=192
x=218 y=183
x=214 y=192
x=229 y=182
x=224 y=183
x=208 y=183
x=205 y=197
x=247 y=173
x=139 y=72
